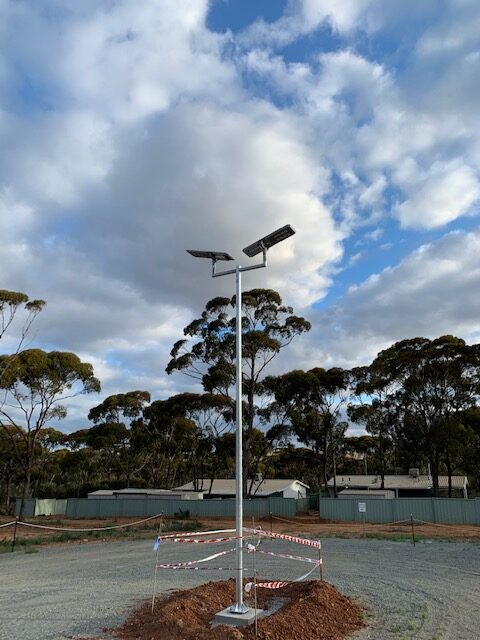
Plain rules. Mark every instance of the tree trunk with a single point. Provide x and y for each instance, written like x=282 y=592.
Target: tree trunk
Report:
x=382 y=460
x=434 y=464
x=449 y=471
x=26 y=487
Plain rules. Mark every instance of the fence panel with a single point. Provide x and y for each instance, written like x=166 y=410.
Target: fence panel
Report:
x=303 y=505
x=28 y=507
x=50 y=507
x=144 y=507
x=437 y=510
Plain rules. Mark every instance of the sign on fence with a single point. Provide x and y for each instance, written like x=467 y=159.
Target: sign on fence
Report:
x=362 y=507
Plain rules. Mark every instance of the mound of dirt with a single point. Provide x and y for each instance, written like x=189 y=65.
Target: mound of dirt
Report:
x=311 y=611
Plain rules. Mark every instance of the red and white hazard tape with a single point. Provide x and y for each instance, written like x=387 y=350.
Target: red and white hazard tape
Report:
x=201 y=541
x=276 y=584
x=180 y=565
x=199 y=568
x=283 y=536
x=290 y=557
x=191 y=534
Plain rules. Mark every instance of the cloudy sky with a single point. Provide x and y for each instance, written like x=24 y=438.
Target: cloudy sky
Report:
x=131 y=130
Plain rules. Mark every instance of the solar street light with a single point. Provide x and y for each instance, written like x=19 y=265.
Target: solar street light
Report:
x=212 y=255
x=269 y=241
x=260 y=246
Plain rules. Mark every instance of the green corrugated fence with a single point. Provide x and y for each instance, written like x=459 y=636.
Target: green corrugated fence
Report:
x=144 y=507
x=437 y=510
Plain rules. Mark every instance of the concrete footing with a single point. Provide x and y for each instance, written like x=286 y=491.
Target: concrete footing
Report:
x=237 y=619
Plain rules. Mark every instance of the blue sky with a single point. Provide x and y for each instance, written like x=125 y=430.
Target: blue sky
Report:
x=134 y=130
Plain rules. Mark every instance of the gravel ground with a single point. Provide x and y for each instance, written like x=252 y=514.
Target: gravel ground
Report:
x=427 y=592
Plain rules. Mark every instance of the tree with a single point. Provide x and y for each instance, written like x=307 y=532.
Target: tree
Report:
x=470 y=453
x=169 y=437
x=10 y=476
x=10 y=303
x=120 y=407
x=311 y=403
x=431 y=382
x=208 y=352
x=34 y=384
x=113 y=419
x=375 y=411
x=212 y=416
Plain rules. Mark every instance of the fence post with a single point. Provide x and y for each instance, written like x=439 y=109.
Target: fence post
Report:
x=413 y=529
x=14 y=533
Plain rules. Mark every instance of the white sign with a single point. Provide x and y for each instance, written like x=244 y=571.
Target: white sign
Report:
x=362 y=507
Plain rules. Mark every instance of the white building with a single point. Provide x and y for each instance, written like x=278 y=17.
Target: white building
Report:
x=262 y=488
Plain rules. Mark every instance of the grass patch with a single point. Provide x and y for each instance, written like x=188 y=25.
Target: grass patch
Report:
x=126 y=533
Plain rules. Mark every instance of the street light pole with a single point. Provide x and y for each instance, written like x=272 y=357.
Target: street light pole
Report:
x=239 y=606
x=261 y=246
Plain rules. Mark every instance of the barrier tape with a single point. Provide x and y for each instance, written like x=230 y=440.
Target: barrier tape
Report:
x=194 y=533
x=283 y=536
x=201 y=541
x=265 y=585
x=293 y=520
x=275 y=584
x=117 y=526
x=177 y=565
x=7 y=524
x=289 y=557
x=201 y=568
x=442 y=524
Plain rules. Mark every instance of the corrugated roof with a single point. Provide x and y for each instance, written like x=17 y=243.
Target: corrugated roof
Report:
x=112 y=492
x=365 y=492
x=227 y=486
x=397 y=482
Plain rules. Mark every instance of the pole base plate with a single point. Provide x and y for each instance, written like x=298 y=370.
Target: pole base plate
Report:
x=237 y=619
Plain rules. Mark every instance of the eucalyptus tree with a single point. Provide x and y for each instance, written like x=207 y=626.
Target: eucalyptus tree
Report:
x=431 y=382
x=35 y=384
x=207 y=353
x=375 y=410
x=212 y=415
x=310 y=405
x=470 y=452
x=10 y=303
x=111 y=434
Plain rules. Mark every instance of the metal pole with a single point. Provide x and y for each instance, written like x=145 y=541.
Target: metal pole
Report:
x=239 y=607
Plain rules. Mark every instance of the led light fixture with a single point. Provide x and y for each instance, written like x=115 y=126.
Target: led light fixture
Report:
x=269 y=241
x=211 y=255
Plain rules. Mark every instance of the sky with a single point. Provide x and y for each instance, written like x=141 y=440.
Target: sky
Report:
x=131 y=130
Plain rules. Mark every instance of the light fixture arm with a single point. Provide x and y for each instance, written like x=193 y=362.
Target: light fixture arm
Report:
x=260 y=265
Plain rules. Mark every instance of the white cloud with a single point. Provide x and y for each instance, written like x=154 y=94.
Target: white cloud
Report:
x=306 y=16
x=132 y=133
x=447 y=192
x=432 y=292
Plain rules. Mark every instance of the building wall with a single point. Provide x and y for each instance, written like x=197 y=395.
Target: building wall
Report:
x=295 y=490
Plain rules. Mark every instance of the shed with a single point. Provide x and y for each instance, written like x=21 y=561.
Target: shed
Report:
x=132 y=494
x=262 y=488
x=412 y=485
